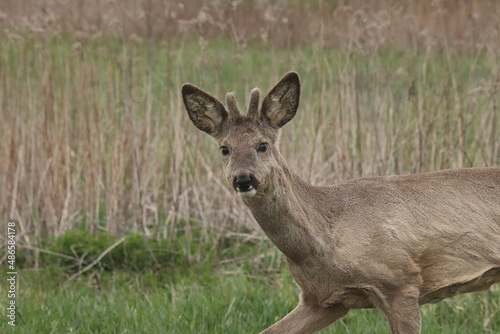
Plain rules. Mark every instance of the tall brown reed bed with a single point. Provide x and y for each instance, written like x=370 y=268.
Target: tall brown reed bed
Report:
x=94 y=134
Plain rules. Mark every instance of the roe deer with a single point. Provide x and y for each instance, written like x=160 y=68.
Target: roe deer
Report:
x=391 y=242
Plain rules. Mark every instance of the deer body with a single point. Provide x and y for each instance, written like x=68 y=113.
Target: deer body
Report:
x=391 y=242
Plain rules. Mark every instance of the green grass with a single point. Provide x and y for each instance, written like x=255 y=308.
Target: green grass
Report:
x=204 y=302
x=139 y=288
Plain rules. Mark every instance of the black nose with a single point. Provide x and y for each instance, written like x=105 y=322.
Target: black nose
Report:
x=242 y=183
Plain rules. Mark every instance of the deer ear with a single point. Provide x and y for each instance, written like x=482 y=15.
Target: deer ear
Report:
x=281 y=103
x=205 y=111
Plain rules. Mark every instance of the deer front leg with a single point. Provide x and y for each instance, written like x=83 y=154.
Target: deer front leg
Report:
x=307 y=317
x=402 y=311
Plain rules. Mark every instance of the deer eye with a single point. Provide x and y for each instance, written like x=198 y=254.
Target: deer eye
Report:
x=262 y=147
x=224 y=150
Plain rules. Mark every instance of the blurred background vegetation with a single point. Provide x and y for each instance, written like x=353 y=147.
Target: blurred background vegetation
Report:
x=102 y=170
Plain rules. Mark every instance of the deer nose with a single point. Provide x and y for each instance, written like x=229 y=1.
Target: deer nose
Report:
x=242 y=183
x=245 y=184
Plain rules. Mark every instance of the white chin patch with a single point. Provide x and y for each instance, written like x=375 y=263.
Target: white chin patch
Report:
x=249 y=193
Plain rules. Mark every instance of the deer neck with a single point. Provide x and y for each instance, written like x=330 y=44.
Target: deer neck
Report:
x=286 y=216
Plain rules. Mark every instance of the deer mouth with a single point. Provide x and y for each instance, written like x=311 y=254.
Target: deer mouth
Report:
x=245 y=185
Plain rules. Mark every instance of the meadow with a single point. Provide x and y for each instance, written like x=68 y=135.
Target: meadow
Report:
x=124 y=221
x=206 y=302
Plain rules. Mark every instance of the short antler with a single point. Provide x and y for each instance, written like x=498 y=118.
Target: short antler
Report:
x=253 y=107
x=234 y=111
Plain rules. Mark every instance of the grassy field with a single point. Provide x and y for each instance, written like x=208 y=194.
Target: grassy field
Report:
x=94 y=138
x=205 y=302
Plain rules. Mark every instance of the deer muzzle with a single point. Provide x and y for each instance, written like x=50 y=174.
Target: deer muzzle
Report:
x=245 y=184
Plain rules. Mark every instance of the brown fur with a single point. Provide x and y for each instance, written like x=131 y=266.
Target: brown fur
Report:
x=391 y=242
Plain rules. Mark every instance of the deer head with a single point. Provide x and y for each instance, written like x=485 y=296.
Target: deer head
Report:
x=247 y=142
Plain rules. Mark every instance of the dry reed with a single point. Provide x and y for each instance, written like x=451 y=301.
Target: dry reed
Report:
x=95 y=136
